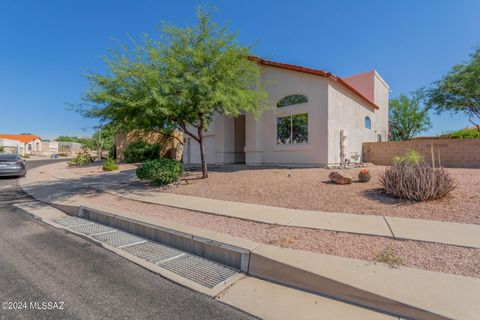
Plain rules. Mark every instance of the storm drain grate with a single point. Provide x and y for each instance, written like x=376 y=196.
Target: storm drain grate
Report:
x=72 y=222
x=153 y=252
x=202 y=271
x=119 y=239
x=92 y=229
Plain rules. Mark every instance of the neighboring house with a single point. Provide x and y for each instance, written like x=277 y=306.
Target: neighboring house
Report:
x=70 y=148
x=26 y=143
x=50 y=147
x=310 y=112
x=10 y=146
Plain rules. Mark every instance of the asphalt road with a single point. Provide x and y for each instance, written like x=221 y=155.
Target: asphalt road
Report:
x=42 y=267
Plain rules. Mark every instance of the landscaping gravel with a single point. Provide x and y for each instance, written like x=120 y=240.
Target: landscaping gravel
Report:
x=96 y=168
x=310 y=189
x=415 y=254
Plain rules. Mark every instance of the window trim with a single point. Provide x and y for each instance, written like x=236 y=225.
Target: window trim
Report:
x=369 y=127
x=291 y=115
x=292 y=104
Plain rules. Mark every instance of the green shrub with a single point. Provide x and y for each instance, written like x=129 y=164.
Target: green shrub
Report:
x=417 y=182
x=139 y=151
x=110 y=164
x=82 y=158
x=465 y=134
x=2 y=149
x=410 y=157
x=160 y=171
x=63 y=155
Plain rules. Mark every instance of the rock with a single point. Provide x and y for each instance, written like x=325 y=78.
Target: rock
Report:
x=340 y=178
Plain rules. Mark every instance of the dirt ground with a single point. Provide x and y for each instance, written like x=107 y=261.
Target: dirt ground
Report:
x=310 y=189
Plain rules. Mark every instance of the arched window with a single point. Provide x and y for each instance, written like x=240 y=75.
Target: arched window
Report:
x=291 y=100
x=368 y=123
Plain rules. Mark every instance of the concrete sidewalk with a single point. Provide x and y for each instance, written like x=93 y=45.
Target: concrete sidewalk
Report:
x=116 y=183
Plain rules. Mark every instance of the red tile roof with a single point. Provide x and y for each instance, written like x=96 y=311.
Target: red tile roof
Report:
x=25 y=138
x=317 y=72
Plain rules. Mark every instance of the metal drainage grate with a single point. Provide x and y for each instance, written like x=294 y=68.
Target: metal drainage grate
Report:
x=153 y=252
x=72 y=221
x=92 y=229
x=202 y=271
x=119 y=239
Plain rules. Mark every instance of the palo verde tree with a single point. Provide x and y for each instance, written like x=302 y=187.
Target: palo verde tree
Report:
x=180 y=81
x=459 y=90
x=408 y=116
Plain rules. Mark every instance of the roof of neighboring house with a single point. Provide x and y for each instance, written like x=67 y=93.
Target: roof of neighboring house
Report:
x=25 y=138
x=316 y=72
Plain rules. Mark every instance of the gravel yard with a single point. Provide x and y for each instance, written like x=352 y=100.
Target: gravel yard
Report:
x=415 y=254
x=309 y=188
x=96 y=168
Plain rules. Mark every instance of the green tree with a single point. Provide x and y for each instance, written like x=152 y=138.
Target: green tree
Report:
x=180 y=81
x=408 y=116
x=459 y=90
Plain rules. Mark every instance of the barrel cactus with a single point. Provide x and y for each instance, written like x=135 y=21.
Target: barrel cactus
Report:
x=364 y=175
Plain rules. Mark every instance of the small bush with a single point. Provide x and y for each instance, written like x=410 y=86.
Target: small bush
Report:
x=26 y=156
x=160 y=171
x=465 y=134
x=417 y=182
x=110 y=164
x=2 y=149
x=82 y=158
x=390 y=257
x=410 y=157
x=139 y=151
x=63 y=155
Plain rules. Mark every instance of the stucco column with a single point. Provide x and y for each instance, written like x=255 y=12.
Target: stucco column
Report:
x=254 y=140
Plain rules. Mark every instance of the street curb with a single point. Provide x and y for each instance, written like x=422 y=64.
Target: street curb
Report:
x=258 y=264
x=223 y=253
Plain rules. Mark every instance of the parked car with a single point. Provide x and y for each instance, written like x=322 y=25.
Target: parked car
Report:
x=12 y=165
x=55 y=156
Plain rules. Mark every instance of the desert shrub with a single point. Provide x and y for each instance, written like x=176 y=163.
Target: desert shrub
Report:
x=26 y=156
x=390 y=257
x=139 y=151
x=417 y=182
x=160 y=171
x=410 y=157
x=110 y=164
x=465 y=134
x=82 y=158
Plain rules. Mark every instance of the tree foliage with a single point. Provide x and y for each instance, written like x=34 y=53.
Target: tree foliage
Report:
x=408 y=116
x=459 y=90
x=180 y=81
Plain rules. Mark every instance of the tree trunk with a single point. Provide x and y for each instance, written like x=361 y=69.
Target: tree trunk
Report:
x=202 y=156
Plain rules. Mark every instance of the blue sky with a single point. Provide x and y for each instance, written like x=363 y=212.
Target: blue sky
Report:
x=47 y=45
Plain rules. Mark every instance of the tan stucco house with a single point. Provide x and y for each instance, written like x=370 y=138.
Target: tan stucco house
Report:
x=314 y=118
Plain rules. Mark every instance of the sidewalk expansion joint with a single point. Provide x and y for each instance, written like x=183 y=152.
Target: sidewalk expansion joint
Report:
x=388 y=225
